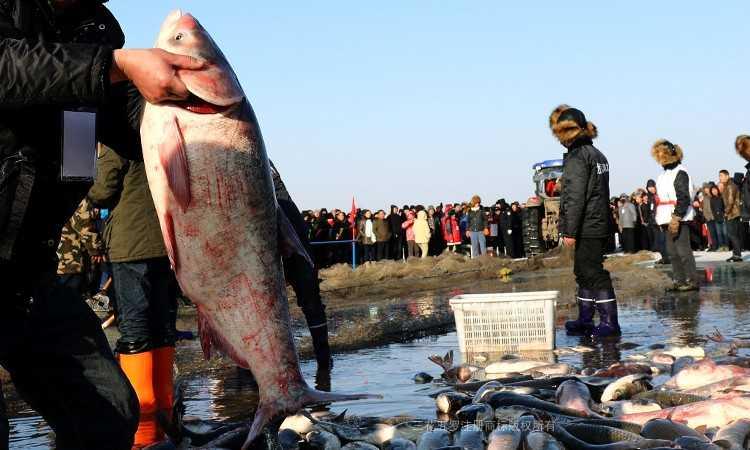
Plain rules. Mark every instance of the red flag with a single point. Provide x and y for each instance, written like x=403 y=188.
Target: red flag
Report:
x=353 y=219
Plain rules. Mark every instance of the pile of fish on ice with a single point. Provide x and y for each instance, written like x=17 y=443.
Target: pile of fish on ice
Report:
x=667 y=398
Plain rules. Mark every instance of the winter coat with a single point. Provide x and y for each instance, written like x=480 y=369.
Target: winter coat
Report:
x=451 y=230
x=493 y=222
x=706 y=208
x=506 y=221
x=675 y=192
x=395 y=221
x=79 y=242
x=745 y=194
x=132 y=231
x=644 y=215
x=651 y=204
x=463 y=225
x=408 y=226
x=731 y=197
x=584 y=203
x=477 y=219
x=362 y=232
x=516 y=224
x=382 y=230
x=421 y=229
x=49 y=74
x=717 y=207
x=342 y=231
x=628 y=215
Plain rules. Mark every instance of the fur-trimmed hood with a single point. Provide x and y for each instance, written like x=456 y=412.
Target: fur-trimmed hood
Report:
x=569 y=125
x=666 y=153
x=742 y=145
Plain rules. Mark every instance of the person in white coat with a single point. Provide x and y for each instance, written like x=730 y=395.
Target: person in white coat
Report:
x=674 y=209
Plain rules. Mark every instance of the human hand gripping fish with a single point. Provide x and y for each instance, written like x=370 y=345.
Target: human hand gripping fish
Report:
x=224 y=233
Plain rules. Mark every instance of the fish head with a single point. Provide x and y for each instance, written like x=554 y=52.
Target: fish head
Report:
x=215 y=87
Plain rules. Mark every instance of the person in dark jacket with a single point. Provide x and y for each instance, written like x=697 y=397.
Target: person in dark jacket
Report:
x=644 y=217
x=584 y=220
x=477 y=222
x=58 y=55
x=342 y=231
x=742 y=146
x=395 y=220
x=674 y=211
x=717 y=208
x=515 y=235
x=730 y=194
x=708 y=216
x=382 y=231
x=304 y=278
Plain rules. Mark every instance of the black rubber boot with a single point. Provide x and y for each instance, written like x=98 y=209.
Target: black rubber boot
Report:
x=585 y=322
x=606 y=306
x=321 y=348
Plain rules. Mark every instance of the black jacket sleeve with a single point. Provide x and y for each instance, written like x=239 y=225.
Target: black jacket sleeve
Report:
x=682 y=190
x=39 y=73
x=573 y=201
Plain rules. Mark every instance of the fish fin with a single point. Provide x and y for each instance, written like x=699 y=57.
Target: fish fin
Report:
x=313 y=397
x=289 y=241
x=211 y=342
x=439 y=361
x=340 y=418
x=170 y=243
x=205 y=333
x=214 y=84
x=174 y=160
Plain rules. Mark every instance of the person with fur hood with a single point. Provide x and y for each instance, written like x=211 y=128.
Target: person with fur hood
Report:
x=673 y=212
x=584 y=221
x=742 y=145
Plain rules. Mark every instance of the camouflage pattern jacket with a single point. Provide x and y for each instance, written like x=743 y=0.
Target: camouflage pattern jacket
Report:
x=79 y=241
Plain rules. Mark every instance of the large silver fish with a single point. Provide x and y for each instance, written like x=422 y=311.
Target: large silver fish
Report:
x=211 y=183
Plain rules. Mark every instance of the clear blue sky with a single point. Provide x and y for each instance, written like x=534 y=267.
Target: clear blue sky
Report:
x=422 y=102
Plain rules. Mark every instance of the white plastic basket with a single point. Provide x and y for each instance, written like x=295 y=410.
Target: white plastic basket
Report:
x=509 y=322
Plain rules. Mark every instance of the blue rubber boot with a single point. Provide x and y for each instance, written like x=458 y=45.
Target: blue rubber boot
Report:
x=606 y=306
x=584 y=325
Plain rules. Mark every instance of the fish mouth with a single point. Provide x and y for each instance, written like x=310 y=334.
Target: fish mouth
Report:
x=197 y=105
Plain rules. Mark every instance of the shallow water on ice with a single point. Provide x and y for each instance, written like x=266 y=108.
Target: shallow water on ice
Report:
x=683 y=319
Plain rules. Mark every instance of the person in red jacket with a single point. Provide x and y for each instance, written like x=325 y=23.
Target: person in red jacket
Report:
x=451 y=230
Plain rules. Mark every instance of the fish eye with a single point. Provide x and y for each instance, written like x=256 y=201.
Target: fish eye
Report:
x=178 y=37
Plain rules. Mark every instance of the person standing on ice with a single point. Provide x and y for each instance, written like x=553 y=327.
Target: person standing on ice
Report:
x=673 y=212
x=584 y=221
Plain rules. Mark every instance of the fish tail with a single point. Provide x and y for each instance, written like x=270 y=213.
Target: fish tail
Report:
x=269 y=411
x=263 y=415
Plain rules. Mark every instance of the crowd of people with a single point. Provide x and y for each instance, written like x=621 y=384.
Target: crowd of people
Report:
x=416 y=231
x=720 y=223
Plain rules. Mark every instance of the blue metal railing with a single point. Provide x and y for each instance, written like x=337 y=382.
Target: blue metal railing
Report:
x=352 y=242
